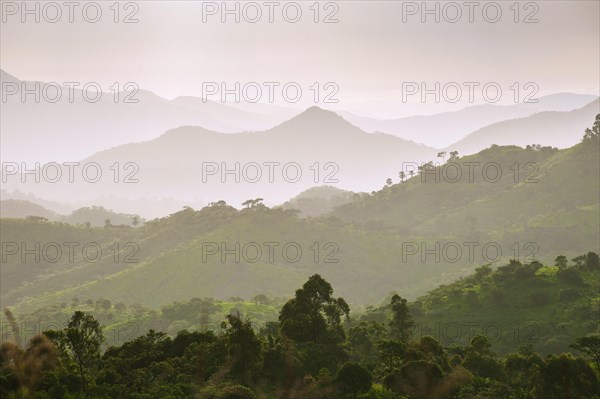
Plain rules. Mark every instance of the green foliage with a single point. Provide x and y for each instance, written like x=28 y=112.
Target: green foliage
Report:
x=513 y=305
x=227 y=391
x=589 y=345
x=318 y=201
x=402 y=323
x=243 y=347
x=560 y=261
x=354 y=379
x=417 y=379
x=364 y=340
x=80 y=343
x=369 y=233
x=481 y=360
x=240 y=363
x=591 y=135
x=566 y=377
x=513 y=209
x=314 y=315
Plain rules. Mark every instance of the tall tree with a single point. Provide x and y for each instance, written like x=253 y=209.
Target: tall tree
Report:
x=560 y=261
x=594 y=132
x=590 y=346
x=592 y=261
x=243 y=346
x=80 y=342
x=442 y=155
x=314 y=314
x=402 y=323
x=402 y=176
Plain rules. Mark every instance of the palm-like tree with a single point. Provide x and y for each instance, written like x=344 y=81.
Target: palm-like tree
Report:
x=442 y=155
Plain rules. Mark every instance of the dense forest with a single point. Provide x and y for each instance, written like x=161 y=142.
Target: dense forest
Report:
x=317 y=349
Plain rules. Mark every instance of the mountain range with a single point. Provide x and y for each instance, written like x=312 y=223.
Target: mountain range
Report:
x=179 y=150
x=315 y=147
x=540 y=212
x=444 y=129
x=70 y=131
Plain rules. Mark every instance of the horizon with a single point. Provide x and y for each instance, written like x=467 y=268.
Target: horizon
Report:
x=247 y=106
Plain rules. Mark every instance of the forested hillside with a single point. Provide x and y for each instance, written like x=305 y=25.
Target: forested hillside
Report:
x=410 y=236
x=314 y=350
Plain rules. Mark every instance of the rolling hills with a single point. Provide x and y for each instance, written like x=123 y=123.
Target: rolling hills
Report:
x=373 y=238
x=517 y=195
x=94 y=215
x=516 y=305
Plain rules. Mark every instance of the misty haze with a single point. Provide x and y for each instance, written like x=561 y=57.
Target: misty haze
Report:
x=290 y=200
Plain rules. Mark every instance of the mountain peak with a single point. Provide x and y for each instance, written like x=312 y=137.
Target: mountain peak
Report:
x=7 y=77
x=318 y=120
x=316 y=111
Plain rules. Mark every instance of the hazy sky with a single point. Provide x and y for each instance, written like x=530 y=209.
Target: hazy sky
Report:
x=368 y=54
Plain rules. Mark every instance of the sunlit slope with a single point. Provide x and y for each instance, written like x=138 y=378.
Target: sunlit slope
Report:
x=506 y=194
x=177 y=260
x=515 y=305
x=552 y=203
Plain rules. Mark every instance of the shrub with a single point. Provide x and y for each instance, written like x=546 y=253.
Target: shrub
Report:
x=570 y=275
x=569 y=294
x=539 y=298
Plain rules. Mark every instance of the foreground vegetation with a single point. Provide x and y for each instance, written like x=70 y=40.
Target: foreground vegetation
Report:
x=315 y=350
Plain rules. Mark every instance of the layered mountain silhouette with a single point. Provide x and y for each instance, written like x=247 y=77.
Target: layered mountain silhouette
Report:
x=315 y=147
x=65 y=131
x=19 y=209
x=184 y=152
x=440 y=130
x=560 y=129
x=554 y=211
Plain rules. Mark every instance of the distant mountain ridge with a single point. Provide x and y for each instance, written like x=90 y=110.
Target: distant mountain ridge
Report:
x=94 y=215
x=162 y=138
x=440 y=130
x=549 y=128
x=86 y=127
x=312 y=148
x=557 y=213
x=529 y=190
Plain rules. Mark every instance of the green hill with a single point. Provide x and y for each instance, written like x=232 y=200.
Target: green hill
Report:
x=511 y=195
x=169 y=262
x=318 y=201
x=13 y=208
x=515 y=305
x=92 y=215
x=409 y=237
x=99 y=216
